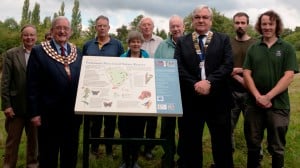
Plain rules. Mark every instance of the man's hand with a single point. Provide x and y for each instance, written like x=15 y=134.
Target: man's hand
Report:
x=202 y=87
x=264 y=101
x=9 y=112
x=36 y=121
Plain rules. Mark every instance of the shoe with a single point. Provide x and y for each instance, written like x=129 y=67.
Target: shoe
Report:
x=148 y=155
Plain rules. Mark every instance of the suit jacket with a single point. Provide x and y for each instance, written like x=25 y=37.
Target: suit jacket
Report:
x=49 y=89
x=13 y=83
x=218 y=67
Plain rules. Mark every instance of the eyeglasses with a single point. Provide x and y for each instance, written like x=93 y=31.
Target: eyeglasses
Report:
x=64 y=28
x=202 y=17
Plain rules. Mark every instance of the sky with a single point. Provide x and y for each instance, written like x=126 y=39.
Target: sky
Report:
x=122 y=12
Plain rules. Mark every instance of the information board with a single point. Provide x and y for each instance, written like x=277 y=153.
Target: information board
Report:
x=128 y=86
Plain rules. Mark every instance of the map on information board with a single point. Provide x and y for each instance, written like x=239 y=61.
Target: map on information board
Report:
x=128 y=86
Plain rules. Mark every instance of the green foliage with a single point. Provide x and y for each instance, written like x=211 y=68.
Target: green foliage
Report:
x=46 y=23
x=286 y=32
x=61 y=12
x=135 y=23
x=294 y=38
x=76 y=21
x=122 y=33
x=9 y=37
x=297 y=45
x=298 y=57
x=91 y=31
x=221 y=23
x=35 y=17
x=161 y=33
x=11 y=24
x=25 y=13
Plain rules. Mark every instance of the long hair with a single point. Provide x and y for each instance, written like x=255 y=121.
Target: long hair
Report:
x=273 y=17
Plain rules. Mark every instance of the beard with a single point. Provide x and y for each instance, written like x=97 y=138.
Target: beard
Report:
x=240 y=32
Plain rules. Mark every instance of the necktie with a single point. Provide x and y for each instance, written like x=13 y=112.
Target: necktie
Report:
x=67 y=67
x=201 y=43
x=202 y=57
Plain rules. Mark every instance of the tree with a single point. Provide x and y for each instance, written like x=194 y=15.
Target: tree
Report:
x=9 y=35
x=294 y=39
x=11 y=24
x=47 y=22
x=25 y=13
x=222 y=23
x=55 y=15
x=76 y=20
x=122 y=33
x=161 y=33
x=90 y=32
x=135 y=23
x=35 y=17
x=61 y=12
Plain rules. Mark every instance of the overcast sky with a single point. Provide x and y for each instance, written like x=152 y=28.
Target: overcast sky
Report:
x=122 y=12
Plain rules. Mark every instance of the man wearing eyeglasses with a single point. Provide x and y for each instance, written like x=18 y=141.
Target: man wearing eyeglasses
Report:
x=205 y=64
x=14 y=106
x=52 y=79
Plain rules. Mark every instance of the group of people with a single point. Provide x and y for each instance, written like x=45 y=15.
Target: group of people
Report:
x=219 y=78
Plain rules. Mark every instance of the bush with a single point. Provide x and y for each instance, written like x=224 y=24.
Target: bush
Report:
x=297 y=45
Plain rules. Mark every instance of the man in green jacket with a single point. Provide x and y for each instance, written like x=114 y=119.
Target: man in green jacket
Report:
x=166 y=50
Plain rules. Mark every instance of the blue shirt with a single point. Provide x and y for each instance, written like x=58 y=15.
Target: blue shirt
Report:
x=144 y=54
x=113 y=48
x=58 y=48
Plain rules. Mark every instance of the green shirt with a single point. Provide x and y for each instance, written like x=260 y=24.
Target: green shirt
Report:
x=268 y=65
x=239 y=50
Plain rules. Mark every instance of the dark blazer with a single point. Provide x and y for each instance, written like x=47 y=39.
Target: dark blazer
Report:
x=218 y=67
x=49 y=89
x=13 y=83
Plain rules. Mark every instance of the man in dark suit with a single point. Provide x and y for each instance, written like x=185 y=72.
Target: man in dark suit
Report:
x=52 y=79
x=13 y=94
x=205 y=65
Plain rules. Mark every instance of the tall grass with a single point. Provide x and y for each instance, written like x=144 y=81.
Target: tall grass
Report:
x=292 y=155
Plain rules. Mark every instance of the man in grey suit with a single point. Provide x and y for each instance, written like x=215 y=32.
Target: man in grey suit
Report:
x=205 y=64
x=13 y=94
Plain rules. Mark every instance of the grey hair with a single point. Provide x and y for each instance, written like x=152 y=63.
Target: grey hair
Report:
x=145 y=18
x=60 y=18
x=135 y=35
x=202 y=7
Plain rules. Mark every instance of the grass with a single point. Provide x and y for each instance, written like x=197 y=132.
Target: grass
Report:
x=292 y=155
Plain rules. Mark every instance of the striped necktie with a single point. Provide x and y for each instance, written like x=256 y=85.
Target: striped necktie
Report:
x=67 y=67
